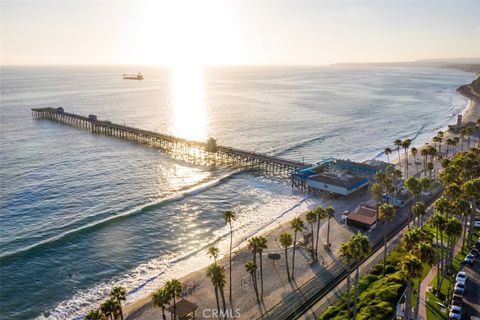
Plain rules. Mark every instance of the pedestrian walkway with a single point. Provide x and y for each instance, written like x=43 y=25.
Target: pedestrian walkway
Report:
x=422 y=310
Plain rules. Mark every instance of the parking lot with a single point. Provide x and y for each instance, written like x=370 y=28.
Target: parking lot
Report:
x=471 y=298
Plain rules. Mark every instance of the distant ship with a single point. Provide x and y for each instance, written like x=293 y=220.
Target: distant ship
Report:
x=138 y=76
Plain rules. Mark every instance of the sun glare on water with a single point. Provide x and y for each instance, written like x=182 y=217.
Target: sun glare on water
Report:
x=187 y=36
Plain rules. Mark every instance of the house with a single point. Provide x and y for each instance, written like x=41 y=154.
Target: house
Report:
x=363 y=217
x=336 y=183
x=399 y=199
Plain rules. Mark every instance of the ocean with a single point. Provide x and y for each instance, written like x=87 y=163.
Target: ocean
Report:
x=80 y=212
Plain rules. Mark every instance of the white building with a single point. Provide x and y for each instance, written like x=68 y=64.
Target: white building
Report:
x=336 y=183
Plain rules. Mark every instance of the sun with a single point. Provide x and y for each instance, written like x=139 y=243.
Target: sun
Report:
x=187 y=33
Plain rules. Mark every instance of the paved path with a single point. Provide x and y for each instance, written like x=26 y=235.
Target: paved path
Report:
x=422 y=310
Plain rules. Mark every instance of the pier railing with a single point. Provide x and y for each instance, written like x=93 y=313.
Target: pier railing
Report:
x=188 y=150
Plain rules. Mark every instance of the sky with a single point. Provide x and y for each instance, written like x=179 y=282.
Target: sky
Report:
x=169 y=32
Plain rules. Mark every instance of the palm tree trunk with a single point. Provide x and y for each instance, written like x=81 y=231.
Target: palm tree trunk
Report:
x=464 y=232
x=472 y=221
x=328 y=234
x=255 y=287
x=286 y=264
x=357 y=276
x=408 y=299
x=399 y=159
x=216 y=298
x=230 y=263
x=164 y=317
x=417 y=305
x=438 y=262
x=384 y=246
x=312 y=254
x=348 y=290
x=442 y=266
x=261 y=273
x=293 y=258
x=175 y=307
x=316 y=241
x=222 y=295
x=388 y=158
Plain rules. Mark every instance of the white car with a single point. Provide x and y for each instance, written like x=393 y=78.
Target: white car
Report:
x=459 y=287
x=461 y=277
x=469 y=259
x=455 y=313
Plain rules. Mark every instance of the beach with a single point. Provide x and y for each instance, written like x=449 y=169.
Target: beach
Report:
x=200 y=290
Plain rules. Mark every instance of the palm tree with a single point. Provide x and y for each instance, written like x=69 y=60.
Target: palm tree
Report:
x=174 y=289
x=469 y=131
x=252 y=244
x=285 y=242
x=413 y=185
x=449 y=142
x=230 y=216
x=386 y=212
x=320 y=214
x=297 y=225
x=439 y=220
x=412 y=268
x=251 y=268
x=419 y=210
x=345 y=252
x=213 y=252
x=414 y=152
x=463 y=133
x=161 y=299
x=216 y=274
x=424 y=153
x=311 y=219
x=398 y=145
x=456 y=140
x=388 y=152
x=426 y=254
x=436 y=140
x=119 y=294
x=406 y=145
x=360 y=249
x=471 y=191
x=430 y=168
x=261 y=245
x=109 y=308
x=94 y=315
x=453 y=229
x=330 y=213
x=440 y=139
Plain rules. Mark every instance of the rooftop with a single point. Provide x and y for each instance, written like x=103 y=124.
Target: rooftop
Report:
x=345 y=181
x=364 y=215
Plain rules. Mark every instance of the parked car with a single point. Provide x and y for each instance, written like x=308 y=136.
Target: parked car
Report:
x=477 y=244
x=475 y=252
x=458 y=293
x=461 y=277
x=455 y=313
x=460 y=287
x=476 y=224
x=469 y=259
x=457 y=301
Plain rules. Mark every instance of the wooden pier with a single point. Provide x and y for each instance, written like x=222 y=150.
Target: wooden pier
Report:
x=203 y=153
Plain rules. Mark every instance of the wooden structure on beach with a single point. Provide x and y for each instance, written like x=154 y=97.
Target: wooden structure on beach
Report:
x=203 y=153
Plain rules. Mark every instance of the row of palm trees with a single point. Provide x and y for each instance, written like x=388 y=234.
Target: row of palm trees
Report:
x=353 y=251
x=258 y=244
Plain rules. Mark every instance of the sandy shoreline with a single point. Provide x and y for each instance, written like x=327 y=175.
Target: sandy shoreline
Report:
x=140 y=307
